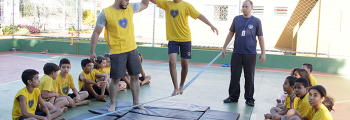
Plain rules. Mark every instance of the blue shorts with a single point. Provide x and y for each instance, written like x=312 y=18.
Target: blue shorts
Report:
x=37 y=112
x=185 y=48
x=71 y=95
x=96 y=89
x=141 y=78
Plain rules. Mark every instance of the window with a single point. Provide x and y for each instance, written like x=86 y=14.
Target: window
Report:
x=220 y=12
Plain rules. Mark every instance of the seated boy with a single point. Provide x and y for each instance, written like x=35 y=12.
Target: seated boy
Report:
x=277 y=112
x=308 y=67
x=64 y=81
x=301 y=102
x=47 y=88
x=91 y=81
x=27 y=100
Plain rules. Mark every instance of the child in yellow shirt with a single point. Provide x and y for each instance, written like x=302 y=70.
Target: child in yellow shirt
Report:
x=144 y=79
x=278 y=112
x=47 y=88
x=300 y=98
x=321 y=105
x=308 y=67
x=27 y=100
x=64 y=82
x=92 y=82
x=99 y=69
x=304 y=74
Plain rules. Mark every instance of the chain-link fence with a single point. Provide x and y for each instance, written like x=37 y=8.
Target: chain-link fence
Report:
x=299 y=26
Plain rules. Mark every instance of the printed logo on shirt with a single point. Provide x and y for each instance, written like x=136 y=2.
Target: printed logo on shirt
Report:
x=174 y=13
x=30 y=103
x=123 y=22
x=250 y=26
x=65 y=90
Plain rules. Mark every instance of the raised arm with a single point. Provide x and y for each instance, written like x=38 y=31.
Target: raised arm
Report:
x=206 y=21
x=144 y=4
x=93 y=43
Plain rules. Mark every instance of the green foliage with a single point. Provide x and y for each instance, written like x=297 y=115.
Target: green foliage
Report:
x=71 y=29
x=89 y=18
x=8 y=30
x=22 y=31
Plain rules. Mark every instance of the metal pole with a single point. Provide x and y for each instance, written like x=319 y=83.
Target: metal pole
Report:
x=64 y=15
x=154 y=22
x=79 y=12
x=239 y=7
x=331 y=31
x=13 y=20
x=318 y=26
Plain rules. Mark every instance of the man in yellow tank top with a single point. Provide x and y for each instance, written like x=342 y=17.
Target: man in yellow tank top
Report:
x=119 y=35
x=179 y=35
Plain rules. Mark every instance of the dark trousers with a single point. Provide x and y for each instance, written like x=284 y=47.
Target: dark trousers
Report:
x=248 y=61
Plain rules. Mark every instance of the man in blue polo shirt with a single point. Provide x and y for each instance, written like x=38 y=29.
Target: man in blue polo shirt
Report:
x=247 y=28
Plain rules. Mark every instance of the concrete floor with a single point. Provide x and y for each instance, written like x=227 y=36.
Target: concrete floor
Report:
x=209 y=89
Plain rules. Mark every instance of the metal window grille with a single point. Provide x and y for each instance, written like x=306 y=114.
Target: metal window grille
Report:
x=220 y=12
x=161 y=13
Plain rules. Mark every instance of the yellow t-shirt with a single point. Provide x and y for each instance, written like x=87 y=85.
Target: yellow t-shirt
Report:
x=313 y=80
x=177 y=28
x=106 y=70
x=91 y=76
x=119 y=31
x=302 y=105
x=46 y=83
x=321 y=114
x=32 y=100
x=96 y=71
x=287 y=101
x=61 y=86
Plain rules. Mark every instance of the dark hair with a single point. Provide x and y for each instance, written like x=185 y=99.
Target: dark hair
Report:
x=291 y=80
x=50 y=67
x=305 y=74
x=141 y=57
x=28 y=74
x=309 y=66
x=106 y=55
x=293 y=71
x=64 y=61
x=302 y=81
x=328 y=101
x=98 y=60
x=84 y=62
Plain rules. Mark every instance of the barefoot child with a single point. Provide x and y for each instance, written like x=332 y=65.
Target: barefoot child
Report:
x=64 y=82
x=277 y=112
x=91 y=82
x=27 y=100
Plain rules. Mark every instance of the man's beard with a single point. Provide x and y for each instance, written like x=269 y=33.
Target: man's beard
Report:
x=121 y=6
